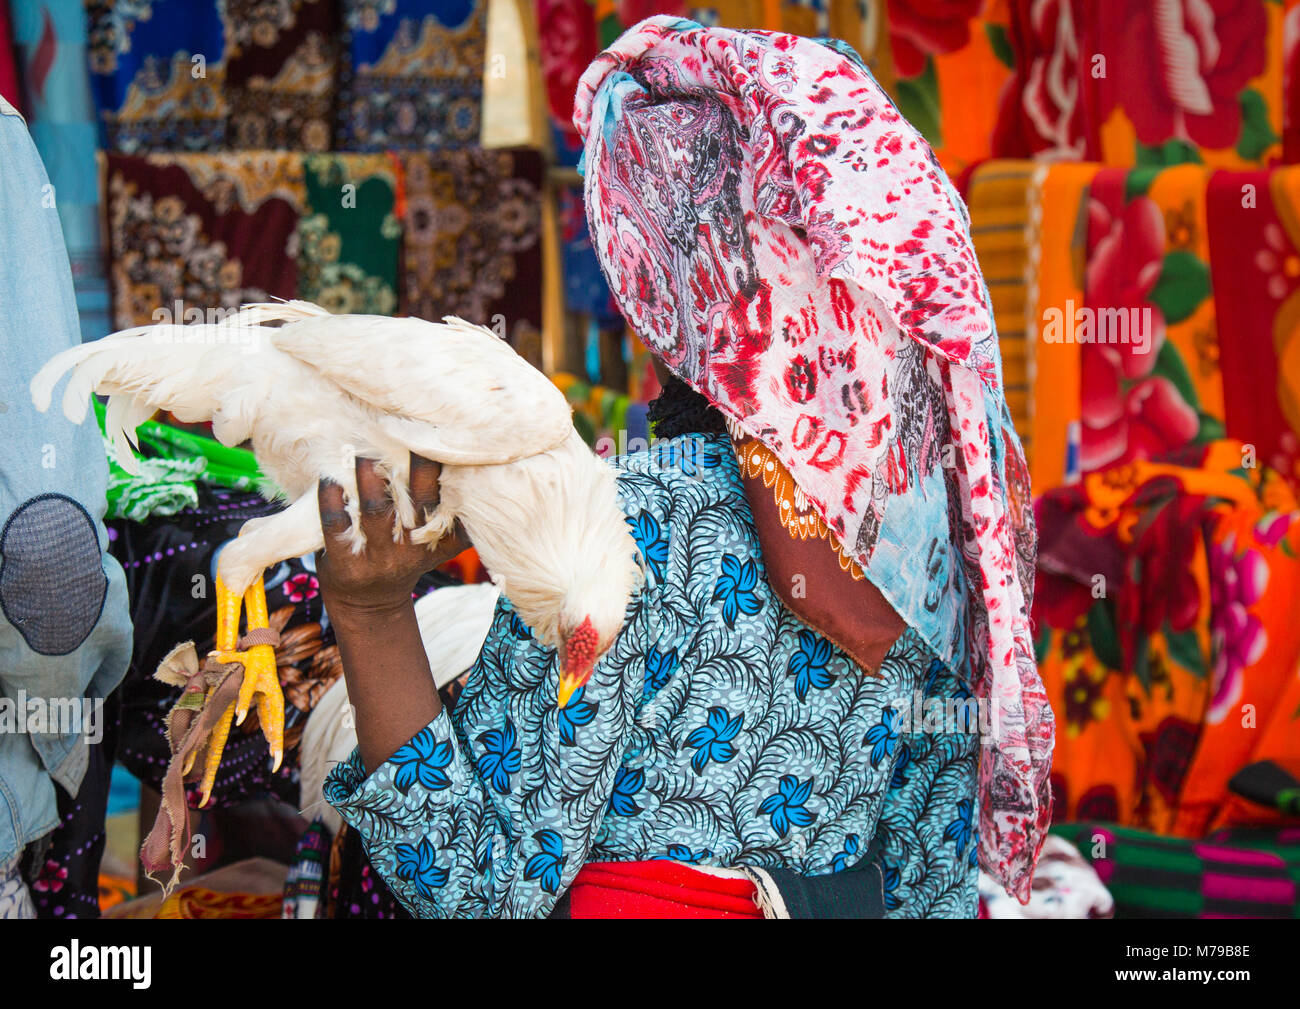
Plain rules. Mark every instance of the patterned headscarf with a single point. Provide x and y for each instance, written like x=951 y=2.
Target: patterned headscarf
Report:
x=785 y=241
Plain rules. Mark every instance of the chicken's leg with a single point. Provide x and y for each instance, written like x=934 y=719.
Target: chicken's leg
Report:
x=228 y=605
x=292 y=532
x=261 y=686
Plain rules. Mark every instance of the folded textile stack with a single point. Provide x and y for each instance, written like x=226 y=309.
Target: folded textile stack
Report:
x=1229 y=874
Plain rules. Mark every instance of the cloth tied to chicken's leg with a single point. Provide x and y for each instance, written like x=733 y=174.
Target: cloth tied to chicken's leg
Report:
x=194 y=727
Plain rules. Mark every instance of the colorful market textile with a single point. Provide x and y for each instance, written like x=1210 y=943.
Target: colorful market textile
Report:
x=472 y=241
x=413 y=74
x=304 y=886
x=349 y=237
x=195 y=902
x=656 y=759
x=1230 y=874
x=162 y=486
x=1065 y=886
x=202 y=75
x=570 y=34
x=950 y=68
x=1254 y=233
x=158 y=72
x=814 y=224
x=189 y=233
x=1060 y=208
x=51 y=40
x=1164 y=634
x=1001 y=201
x=566 y=33
x=585 y=289
x=1254 y=568
x=1131 y=82
x=1150 y=374
x=281 y=73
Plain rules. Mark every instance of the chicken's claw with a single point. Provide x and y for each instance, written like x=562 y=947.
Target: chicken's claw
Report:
x=216 y=745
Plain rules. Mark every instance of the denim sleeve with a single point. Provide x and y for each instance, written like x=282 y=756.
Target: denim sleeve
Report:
x=65 y=631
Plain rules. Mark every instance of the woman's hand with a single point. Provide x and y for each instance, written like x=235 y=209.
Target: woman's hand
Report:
x=368 y=599
x=384 y=574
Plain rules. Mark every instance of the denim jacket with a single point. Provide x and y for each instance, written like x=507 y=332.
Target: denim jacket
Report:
x=65 y=630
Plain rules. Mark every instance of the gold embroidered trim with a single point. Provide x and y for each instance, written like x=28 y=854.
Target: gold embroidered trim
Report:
x=798 y=517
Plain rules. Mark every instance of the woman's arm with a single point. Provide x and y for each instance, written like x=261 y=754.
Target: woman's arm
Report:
x=463 y=821
x=368 y=598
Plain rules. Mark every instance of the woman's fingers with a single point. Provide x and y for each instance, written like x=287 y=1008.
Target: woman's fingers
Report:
x=334 y=520
x=377 y=514
x=424 y=485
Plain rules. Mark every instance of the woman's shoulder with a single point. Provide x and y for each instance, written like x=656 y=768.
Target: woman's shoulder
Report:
x=699 y=464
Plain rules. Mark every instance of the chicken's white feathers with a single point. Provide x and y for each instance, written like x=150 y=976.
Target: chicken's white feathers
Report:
x=456 y=389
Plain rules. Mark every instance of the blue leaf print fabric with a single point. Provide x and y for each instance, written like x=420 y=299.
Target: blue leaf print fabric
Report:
x=717 y=730
x=712 y=741
x=423 y=759
x=501 y=757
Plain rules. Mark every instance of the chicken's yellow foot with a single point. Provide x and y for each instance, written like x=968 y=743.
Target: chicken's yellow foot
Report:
x=216 y=744
x=261 y=684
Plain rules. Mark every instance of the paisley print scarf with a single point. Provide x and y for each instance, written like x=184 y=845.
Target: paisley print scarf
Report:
x=785 y=241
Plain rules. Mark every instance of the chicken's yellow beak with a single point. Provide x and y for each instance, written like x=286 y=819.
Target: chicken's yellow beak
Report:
x=570 y=685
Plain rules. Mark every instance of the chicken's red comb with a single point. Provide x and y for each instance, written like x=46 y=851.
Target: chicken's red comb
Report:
x=580 y=647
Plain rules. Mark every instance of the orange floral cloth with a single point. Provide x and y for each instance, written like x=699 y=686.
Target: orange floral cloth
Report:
x=1165 y=637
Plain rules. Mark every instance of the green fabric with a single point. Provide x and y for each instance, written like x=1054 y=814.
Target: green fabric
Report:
x=172 y=463
x=349 y=235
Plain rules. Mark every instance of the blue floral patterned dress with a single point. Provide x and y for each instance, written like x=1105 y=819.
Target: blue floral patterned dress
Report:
x=718 y=730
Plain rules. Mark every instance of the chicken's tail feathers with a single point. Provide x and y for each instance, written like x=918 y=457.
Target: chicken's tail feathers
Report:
x=43 y=382
x=178 y=368
x=122 y=416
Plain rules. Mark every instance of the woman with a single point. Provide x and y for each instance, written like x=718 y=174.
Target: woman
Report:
x=852 y=559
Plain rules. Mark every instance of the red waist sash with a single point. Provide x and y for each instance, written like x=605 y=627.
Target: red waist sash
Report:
x=658 y=889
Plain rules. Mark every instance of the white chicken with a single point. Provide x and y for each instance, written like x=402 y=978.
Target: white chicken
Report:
x=320 y=390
